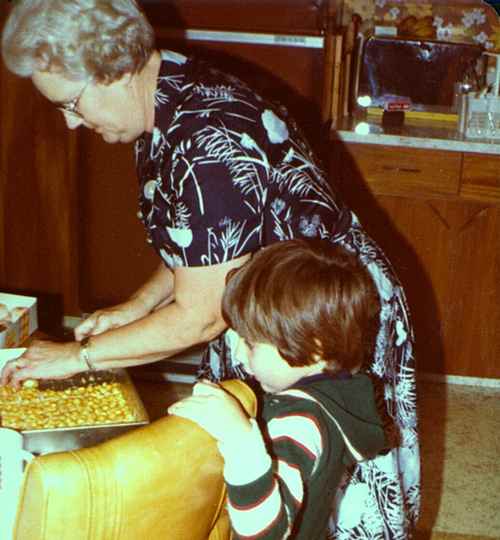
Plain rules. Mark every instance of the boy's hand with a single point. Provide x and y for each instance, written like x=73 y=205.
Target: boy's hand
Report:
x=216 y=411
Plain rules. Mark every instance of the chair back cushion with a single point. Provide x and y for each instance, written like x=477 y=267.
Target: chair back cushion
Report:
x=160 y=481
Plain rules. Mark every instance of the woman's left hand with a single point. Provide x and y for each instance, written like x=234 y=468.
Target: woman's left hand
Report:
x=43 y=360
x=216 y=411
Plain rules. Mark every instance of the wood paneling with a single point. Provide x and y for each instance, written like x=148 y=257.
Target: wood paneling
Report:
x=115 y=258
x=68 y=204
x=447 y=254
x=481 y=178
x=455 y=305
x=38 y=222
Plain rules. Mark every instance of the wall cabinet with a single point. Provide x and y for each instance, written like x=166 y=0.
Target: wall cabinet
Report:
x=437 y=215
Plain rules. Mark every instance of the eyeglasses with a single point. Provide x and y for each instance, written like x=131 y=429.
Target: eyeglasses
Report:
x=72 y=106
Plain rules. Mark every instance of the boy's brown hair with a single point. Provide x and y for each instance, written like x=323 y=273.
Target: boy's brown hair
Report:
x=311 y=299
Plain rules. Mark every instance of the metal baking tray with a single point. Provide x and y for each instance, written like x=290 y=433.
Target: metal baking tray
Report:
x=45 y=441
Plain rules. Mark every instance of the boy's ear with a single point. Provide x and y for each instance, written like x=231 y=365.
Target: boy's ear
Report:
x=317 y=358
x=319 y=353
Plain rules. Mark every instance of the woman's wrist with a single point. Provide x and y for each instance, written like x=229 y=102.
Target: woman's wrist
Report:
x=85 y=355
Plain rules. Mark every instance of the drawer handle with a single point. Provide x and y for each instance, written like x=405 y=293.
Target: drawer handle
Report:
x=401 y=169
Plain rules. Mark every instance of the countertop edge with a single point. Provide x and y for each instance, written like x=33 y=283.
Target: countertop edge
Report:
x=469 y=146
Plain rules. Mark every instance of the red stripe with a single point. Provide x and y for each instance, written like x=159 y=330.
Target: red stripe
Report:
x=296 y=441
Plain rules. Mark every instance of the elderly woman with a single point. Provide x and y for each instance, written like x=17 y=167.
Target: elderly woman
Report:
x=222 y=173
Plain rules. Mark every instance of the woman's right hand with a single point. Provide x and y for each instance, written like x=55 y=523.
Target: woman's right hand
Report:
x=106 y=319
x=43 y=360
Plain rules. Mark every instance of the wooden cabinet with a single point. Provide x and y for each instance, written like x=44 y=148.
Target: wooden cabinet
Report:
x=284 y=16
x=114 y=256
x=481 y=178
x=437 y=216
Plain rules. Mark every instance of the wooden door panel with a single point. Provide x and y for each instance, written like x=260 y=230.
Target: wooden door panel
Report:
x=302 y=16
x=458 y=249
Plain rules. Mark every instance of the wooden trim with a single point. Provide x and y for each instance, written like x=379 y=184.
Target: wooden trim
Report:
x=279 y=40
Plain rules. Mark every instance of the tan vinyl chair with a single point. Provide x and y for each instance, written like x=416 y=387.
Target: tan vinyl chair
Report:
x=161 y=481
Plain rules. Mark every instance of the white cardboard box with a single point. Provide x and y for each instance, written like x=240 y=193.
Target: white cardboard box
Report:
x=9 y=354
x=24 y=325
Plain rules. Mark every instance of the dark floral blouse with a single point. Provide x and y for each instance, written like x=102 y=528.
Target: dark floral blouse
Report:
x=225 y=173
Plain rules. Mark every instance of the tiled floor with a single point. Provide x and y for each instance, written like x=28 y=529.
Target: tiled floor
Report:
x=460 y=437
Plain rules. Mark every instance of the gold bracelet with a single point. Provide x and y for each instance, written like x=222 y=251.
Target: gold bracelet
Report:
x=85 y=353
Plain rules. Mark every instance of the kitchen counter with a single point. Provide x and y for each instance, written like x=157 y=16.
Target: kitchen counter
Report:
x=432 y=200
x=415 y=133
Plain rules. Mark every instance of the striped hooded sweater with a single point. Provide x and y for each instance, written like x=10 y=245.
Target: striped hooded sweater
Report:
x=283 y=477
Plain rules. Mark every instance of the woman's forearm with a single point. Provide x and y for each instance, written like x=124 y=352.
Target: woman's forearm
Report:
x=162 y=334
x=192 y=317
x=157 y=290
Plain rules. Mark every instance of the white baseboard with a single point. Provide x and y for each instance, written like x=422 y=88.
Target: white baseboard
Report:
x=457 y=379
x=169 y=377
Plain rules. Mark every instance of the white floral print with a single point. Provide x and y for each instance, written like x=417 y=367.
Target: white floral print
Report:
x=233 y=174
x=275 y=127
x=182 y=237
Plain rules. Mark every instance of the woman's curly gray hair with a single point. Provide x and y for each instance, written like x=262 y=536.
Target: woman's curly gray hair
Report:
x=81 y=39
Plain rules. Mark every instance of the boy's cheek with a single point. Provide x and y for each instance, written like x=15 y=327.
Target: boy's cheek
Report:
x=244 y=359
x=248 y=369
x=240 y=352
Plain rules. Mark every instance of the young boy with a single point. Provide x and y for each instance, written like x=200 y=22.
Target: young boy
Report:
x=302 y=318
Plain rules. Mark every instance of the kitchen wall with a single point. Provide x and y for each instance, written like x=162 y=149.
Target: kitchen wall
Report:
x=461 y=20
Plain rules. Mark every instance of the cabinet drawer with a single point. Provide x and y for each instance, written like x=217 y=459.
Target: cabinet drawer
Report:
x=390 y=170
x=481 y=178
